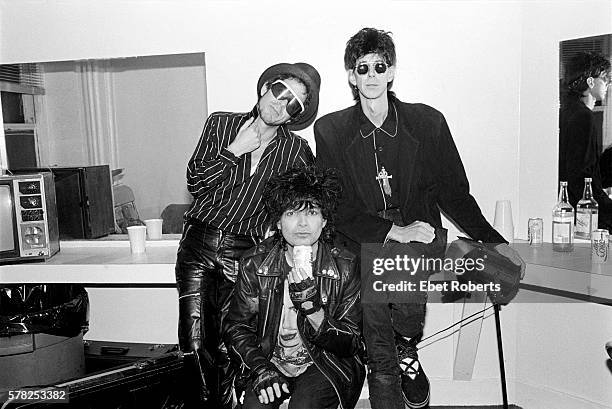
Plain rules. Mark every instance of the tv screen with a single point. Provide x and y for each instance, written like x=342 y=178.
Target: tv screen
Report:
x=7 y=242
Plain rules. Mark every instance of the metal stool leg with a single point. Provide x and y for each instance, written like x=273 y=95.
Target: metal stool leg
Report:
x=500 y=353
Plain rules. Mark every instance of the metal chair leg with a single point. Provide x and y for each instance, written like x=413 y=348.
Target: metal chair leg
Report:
x=500 y=353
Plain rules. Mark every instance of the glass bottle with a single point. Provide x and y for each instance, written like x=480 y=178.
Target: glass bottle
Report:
x=563 y=222
x=587 y=211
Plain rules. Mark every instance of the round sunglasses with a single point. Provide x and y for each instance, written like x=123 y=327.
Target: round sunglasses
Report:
x=379 y=67
x=283 y=92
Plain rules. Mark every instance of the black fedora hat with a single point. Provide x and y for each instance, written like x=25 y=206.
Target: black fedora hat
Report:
x=306 y=73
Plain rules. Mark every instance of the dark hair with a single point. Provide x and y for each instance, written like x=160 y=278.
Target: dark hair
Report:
x=581 y=67
x=369 y=41
x=303 y=188
x=304 y=83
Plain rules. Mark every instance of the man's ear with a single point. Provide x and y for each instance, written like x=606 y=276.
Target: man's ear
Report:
x=391 y=75
x=263 y=90
x=278 y=226
x=324 y=223
x=351 y=77
x=590 y=82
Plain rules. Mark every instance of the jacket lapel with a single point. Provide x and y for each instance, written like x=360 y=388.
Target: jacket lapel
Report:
x=363 y=169
x=271 y=265
x=406 y=152
x=325 y=265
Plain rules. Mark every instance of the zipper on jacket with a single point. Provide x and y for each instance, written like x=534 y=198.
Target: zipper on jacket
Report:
x=337 y=367
x=324 y=374
x=270 y=295
x=349 y=307
x=243 y=364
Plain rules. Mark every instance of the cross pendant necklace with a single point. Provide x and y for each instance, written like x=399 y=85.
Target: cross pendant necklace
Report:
x=384 y=176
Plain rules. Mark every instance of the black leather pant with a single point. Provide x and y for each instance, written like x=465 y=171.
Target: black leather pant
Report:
x=206 y=269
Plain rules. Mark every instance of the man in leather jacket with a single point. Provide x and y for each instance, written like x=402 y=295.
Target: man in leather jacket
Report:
x=294 y=319
x=236 y=155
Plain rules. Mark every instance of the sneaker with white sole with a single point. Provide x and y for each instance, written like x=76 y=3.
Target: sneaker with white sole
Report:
x=415 y=384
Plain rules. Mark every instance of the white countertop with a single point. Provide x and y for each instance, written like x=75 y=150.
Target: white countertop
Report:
x=99 y=262
x=572 y=271
x=109 y=261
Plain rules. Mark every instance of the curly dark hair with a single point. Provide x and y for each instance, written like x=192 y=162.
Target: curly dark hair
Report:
x=369 y=41
x=301 y=188
x=580 y=68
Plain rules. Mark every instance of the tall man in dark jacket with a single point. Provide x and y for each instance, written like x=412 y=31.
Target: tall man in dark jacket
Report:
x=236 y=155
x=399 y=166
x=294 y=319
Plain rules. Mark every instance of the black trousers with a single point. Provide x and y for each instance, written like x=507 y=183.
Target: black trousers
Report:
x=385 y=322
x=382 y=324
x=310 y=390
x=206 y=270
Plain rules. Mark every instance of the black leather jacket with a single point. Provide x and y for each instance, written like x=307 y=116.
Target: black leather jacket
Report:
x=252 y=324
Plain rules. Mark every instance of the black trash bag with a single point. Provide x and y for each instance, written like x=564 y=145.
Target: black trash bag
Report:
x=55 y=309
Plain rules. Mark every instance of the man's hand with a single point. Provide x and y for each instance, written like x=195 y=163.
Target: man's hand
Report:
x=508 y=252
x=303 y=291
x=418 y=231
x=247 y=140
x=268 y=384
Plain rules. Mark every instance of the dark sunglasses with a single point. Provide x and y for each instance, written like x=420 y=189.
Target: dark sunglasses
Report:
x=363 y=68
x=283 y=92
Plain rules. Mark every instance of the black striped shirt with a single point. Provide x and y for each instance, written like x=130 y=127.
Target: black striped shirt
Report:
x=225 y=194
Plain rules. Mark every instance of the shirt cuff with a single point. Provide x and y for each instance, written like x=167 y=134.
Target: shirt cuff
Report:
x=228 y=157
x=387 y=236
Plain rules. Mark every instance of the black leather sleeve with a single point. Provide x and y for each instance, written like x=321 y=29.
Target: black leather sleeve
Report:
x=340 y=331
x=241 y=322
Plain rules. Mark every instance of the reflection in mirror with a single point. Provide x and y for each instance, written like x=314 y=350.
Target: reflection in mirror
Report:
x=141 y=115
x=585 y=122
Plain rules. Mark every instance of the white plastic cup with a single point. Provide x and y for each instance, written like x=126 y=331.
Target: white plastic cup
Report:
x=503 y=220
x=154 y=229
x=302 y=258
x=137 y=238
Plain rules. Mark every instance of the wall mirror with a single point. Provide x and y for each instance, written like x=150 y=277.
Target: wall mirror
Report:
x=143 y=115
x=601 y=143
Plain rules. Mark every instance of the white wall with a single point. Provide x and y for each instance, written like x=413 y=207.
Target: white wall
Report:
x=490 y=66
x=560 y=357
x=462 y=57
x=545 y=24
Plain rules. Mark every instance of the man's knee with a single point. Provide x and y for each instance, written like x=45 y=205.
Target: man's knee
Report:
x=384 y=374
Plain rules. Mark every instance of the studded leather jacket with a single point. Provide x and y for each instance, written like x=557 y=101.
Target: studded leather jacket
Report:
x=252 y=324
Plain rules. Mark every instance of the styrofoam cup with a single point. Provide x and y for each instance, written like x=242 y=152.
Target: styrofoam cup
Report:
x=503 y=220
x=154 y=229
x=137 y=238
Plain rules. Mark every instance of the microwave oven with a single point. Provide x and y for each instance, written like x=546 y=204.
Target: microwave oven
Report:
x=28 y=217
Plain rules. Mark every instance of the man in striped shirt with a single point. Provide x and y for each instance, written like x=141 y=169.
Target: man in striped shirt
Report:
x=236 y=155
